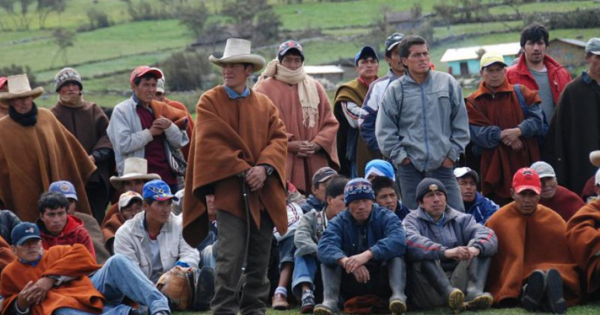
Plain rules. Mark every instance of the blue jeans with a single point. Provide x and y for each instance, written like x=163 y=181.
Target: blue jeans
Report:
x=208 y=256
x=120 y=277
x=410 y=178
x=305 y=269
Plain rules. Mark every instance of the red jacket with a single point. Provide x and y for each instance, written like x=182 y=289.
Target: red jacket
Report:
x=558 y=76
x=73 y=233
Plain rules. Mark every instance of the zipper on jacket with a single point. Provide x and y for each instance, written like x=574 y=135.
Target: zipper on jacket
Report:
x=424 y=110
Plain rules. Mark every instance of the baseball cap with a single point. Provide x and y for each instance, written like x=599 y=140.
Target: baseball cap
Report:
x=461 y=172
x=543 y=169
x=287 y=45
x=323 y=174
x=490 y=58
x=364 y=53
x=64 y=188
x=393 y=40
x=142 y=70
x=24 y=231
x=593 y=46
x=160 y=85
x=158 y=190
x=127 y=197
x=2 y=81
x=526 y=178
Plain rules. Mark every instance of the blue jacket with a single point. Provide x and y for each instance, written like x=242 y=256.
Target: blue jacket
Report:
x=402 y=211
x=385 y=237
x=312 y=203
x=482 y=209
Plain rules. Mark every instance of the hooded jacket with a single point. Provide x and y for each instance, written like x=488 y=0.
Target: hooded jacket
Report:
x=73 y=233
x=482 y=208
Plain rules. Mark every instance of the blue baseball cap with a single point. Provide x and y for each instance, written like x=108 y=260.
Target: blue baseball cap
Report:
x=24 y=231
x=158 y=190
x=365 y=53
x=65 y=188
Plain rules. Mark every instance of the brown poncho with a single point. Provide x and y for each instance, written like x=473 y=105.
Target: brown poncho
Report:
x=583 y=236
x=527 y=243
x=6 y=254
x=190 y=126
x=231 y=136
x=33 y=157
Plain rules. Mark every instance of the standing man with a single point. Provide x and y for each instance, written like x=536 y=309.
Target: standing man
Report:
x=574 y=131
x=538 y=71
x=88 y=123
x=422 y=124
x=349 y=98
x=145 y=128
x=239 y=146
x=36 y=150
x=502 y=133
x=368 y=113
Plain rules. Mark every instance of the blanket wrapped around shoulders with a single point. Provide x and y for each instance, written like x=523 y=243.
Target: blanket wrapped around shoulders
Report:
x=527 y=243
x=583 y=237
x=230 y=137
x=6 y=254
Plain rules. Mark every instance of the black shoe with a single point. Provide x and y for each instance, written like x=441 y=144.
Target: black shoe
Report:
x=534 y=291
x=205 y=289
x=554 y=292
x=142 y=310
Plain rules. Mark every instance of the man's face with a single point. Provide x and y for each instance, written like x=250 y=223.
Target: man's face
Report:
x=22 y=105
x=159 y=96
x=594 y=63
x=291 y=61
x=367 y=68
x=526 y=201
x=72 y=206
x=146 y=90
x=418 y=59
x=335 y=205
x=468 y=188
x=434 y=203
x=493 y=75
x=235 y=75
x=136 y=185
x=549 y=186
x=70 y=88
x=319 y=191
x=30 y=250
x=535 y=51
x=361 y=209
x=158 y=211
x=394 y=61
x=131 y=210
x=54 y=220
x=210 y=205
x=387 y=197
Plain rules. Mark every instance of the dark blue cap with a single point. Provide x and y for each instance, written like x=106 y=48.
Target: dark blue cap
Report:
x=365 y=53
x=24 y=231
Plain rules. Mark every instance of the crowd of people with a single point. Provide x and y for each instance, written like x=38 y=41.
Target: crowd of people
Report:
x=401 y=194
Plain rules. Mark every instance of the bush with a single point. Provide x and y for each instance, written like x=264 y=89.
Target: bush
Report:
x=97 y=19
x=14 y=70
x=185 y=71
x=575 y=19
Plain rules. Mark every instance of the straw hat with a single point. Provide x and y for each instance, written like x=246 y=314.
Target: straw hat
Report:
x=238 y=51
x=18 y=87
x=134 y=168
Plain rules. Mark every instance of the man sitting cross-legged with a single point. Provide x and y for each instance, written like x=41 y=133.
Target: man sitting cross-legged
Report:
x=59 y=281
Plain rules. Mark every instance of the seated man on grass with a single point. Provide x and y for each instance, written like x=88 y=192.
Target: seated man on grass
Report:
x=480 y=207
x=387 y=197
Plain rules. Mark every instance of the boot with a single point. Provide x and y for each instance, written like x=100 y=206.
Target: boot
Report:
x=554 y=302
x=397 y=273
x=204 y=290
x=534 y=291
x=477 y=299
x=332 y=278
x=438 y=280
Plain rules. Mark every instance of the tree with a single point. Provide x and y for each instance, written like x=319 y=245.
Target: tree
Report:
x=194 y=18
x=248 y=15
x=45 y=7
x=64 y=39
x=20 y=18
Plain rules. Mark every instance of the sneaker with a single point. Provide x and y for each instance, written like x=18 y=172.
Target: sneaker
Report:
x=397 y=307
x=141 y=310
x=324 y=310
x=279 y=302
x=554 y=292
x=481 y=302
x=534 y=291
x=455 y=301
x=308 y=302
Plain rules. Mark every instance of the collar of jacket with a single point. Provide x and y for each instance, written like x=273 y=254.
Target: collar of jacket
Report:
x=551 y=66
x=139 y=225
x=449 y=215
x=484 y=90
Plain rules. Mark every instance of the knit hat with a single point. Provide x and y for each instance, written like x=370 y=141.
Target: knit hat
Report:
x=65 y=76
x=380 y=168
x=429 y=184
x=358 y=189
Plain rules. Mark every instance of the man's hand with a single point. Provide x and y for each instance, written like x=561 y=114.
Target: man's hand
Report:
x=509 y=136
x=447 y=163
x=41 y=288
x=307 y=149
x=457 y=253
x=361 y=274
x=356 y=261
x=473 y=252
x=156 y=131
x=255 y=177
x=162 y=123
x=517 y=145
x=92 y=158
x=25 y=299
x=294 y=146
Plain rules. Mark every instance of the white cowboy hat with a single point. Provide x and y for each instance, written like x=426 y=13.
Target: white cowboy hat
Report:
x=18 y=87
x=134 y=168
x=238 y=51
x=595 y=158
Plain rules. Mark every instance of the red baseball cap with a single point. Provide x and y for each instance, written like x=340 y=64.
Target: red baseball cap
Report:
x=526 y=178
x=2 y=81
x=141 y=70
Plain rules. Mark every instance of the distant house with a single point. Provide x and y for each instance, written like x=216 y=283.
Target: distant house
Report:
x=401 y=21
x=569 y=52
x=464 y=62
x=333 y=74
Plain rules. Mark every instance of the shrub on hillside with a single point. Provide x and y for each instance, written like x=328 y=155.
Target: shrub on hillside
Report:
x=575 y=19
x=97 y=19
x=15 y=69
x=185 y=71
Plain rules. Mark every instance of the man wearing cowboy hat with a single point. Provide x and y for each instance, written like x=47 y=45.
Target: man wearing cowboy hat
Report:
x=35 y=150
x=305 y=110
x=240 y=145
x=88 y=123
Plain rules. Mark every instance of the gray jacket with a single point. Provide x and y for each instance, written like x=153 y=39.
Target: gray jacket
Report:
x=129 y=139
x=427 y=240
x=308 y=233
x=423 y=122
